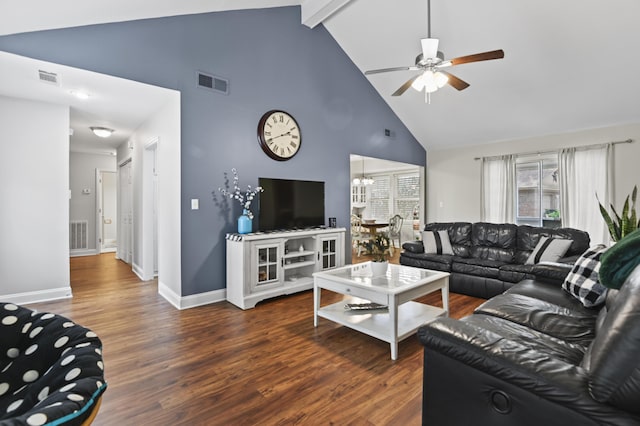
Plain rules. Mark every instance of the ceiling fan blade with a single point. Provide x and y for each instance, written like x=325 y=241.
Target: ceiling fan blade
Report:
x=455 y=82
x=429 y=47
x=381 y=70
x=405 y=86
x=485 y=56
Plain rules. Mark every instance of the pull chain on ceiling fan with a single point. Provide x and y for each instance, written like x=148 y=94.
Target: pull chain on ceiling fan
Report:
x=430 y=63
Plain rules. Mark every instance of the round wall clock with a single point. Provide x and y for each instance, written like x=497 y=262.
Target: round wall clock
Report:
x=279 y=135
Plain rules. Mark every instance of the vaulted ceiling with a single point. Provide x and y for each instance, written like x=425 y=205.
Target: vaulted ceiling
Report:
x=569 y=65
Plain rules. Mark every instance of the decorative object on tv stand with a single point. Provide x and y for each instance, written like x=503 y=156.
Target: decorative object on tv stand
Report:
x=623 y=224
x=245 y=221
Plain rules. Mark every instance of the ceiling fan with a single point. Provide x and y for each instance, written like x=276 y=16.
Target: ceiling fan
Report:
x=430 y=64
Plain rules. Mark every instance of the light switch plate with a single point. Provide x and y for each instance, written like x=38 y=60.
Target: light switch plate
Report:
x=195 y=204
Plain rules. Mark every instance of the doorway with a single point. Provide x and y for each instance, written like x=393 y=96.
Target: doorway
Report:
x=124 y=250
x=150 y=190
x=107 y=213
x=381 y=189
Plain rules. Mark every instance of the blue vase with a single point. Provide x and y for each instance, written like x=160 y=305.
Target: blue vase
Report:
x=245 y=224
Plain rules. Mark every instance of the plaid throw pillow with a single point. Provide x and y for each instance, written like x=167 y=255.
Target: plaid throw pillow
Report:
x=582 y=282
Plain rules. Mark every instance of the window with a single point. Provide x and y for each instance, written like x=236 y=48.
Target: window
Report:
x=385 y=200
x=407 y=200
x=538 y=192
x=378 y=203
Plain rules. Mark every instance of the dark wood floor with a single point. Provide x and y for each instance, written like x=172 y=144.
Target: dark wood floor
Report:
x=219 y=365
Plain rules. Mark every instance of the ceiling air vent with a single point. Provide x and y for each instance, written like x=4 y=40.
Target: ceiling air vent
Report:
x=211 y=82
x=49 y=77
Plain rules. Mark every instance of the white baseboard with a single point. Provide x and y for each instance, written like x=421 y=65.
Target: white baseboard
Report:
x=76 y=253
x=140 y=273
x=193 y=300
x=38 y=296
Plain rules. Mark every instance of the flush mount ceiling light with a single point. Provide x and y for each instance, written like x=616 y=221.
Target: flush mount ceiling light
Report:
x=102 y=132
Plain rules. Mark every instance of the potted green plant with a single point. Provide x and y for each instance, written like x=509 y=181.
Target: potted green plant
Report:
x=378 y=247
x=625 y=223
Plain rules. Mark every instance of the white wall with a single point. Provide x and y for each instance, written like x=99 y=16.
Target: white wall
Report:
x=82 y=175
x=453 y=176
x=34 y=216
x=165 y=127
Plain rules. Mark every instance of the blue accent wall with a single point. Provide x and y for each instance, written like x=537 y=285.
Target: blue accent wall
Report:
x=272 y=62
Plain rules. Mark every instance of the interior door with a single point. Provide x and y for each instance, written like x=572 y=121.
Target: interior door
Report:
x=125 y=212
x=107 y=211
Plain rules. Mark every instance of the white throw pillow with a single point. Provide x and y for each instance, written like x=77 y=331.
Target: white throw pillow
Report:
x=436 y=242
x=549 y=250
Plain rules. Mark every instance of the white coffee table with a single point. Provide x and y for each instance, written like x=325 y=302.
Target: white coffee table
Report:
x=397 y=289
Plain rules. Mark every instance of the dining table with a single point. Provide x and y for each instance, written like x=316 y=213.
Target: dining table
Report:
x=374 y=226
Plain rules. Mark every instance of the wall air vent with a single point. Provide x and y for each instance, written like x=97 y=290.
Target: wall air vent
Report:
x=49 y=77
x=213 y=83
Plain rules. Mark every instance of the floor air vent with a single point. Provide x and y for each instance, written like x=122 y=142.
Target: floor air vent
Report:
x=213 y=83
x=78 y=235
x=48 y=77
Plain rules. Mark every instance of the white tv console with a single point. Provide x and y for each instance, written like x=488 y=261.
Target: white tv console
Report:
x=269 y=264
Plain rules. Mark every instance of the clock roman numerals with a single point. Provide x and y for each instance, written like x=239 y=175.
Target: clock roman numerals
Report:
x=279 y=135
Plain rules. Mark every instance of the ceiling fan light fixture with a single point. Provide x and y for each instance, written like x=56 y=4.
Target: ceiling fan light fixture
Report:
x=429 y=79
x=102 y=132
x=429 y=47
x=430 y=60
x=418 y=83
x=441 y=79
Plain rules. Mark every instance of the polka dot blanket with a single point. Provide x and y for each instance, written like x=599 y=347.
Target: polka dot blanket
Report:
x=51 y=369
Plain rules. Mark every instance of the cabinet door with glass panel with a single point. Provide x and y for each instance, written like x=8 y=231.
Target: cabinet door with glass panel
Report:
x=330 y=251
x=266 y=268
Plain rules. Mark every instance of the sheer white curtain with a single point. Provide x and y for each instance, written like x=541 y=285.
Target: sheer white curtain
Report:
x=585 y=172
x=497 y=189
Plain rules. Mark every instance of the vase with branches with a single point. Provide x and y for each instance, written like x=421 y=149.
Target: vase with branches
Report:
x=622 y=224
x=244 y=198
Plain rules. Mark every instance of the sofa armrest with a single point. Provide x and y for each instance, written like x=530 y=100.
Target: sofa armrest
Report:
x=413 y=247
x=569 y=260
x=551 y=272
x=503 y=381
x=507 y=359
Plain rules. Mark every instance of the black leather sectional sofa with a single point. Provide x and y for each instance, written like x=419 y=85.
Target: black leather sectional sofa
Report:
x=536 y=356
x=489 y=258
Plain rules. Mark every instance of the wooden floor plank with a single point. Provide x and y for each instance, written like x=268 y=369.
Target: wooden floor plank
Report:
x=220 y=365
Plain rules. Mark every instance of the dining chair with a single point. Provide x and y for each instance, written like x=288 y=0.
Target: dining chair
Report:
x=358 y=234
x=395 y=231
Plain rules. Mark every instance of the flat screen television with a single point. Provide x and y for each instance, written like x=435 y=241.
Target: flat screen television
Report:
x=290 y=204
